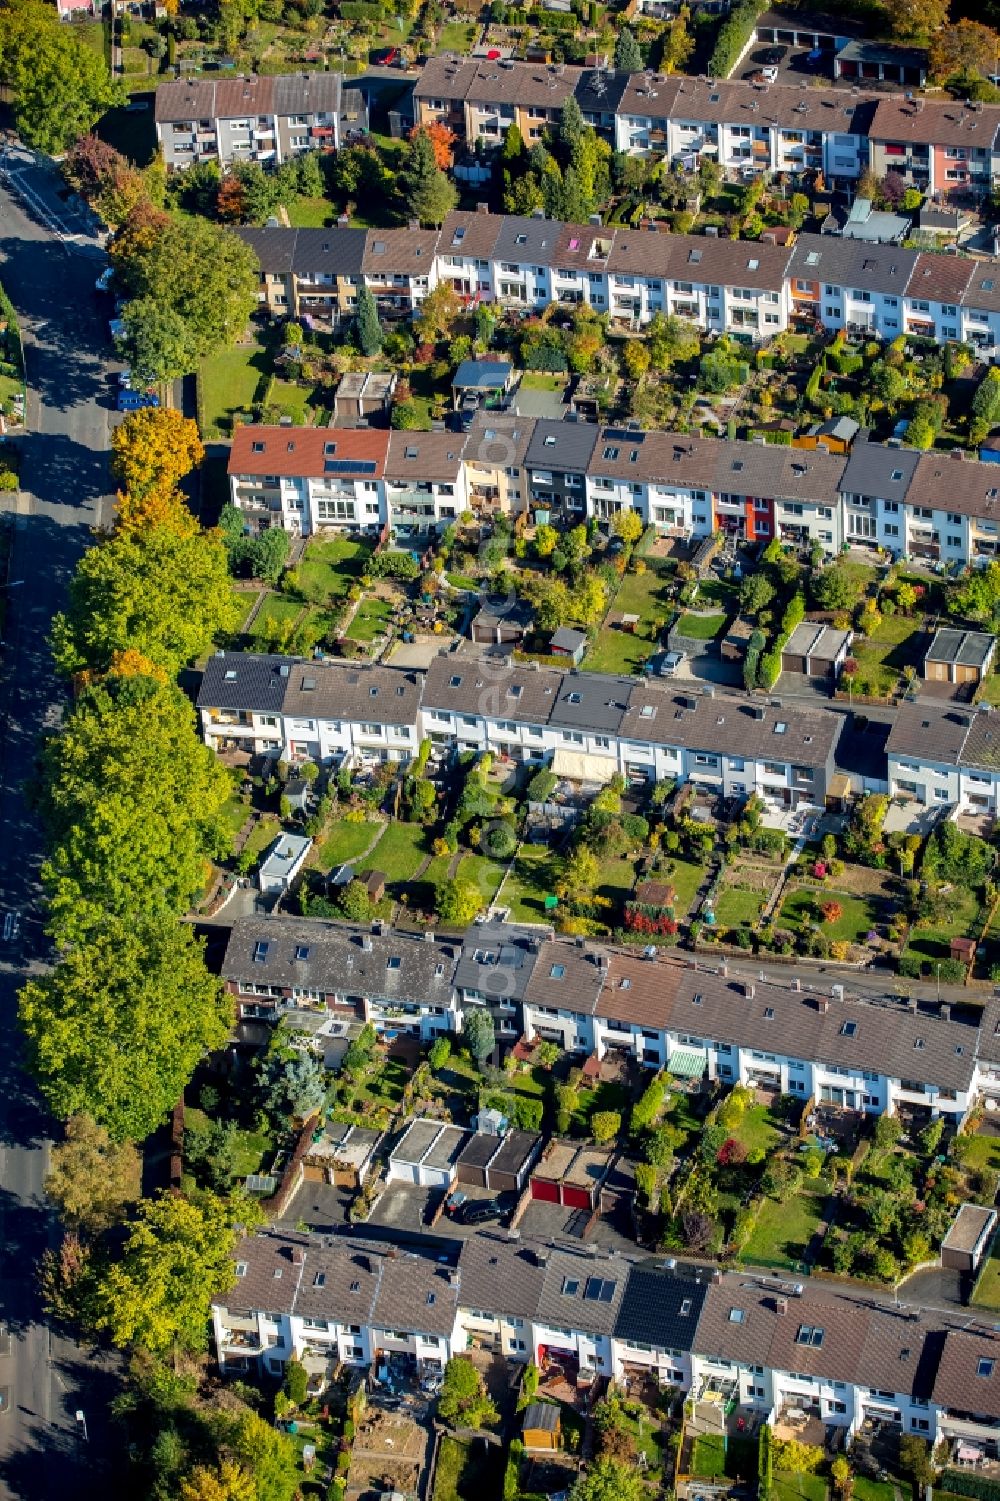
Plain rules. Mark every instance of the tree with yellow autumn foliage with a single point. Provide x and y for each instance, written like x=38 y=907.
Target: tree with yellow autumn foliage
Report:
x=153 y=449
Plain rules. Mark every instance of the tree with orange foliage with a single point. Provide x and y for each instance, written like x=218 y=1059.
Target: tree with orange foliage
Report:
x=441 y=138
x=157 y=507
x=152 y=450
x=229 y=204
x=138 y=233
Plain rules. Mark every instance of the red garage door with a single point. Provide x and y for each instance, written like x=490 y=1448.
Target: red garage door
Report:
x=547 y=1192
x=576 y=1198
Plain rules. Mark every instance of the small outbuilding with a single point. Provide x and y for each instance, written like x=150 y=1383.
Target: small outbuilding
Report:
x=736 y=641
x=427 y=1154
x=502 y=622
x=542 y=1426
x=364 y=397
x=963 y=949
x=374 y=883
x=966 y=1243
x=959 y=656
x=567 y=642
x=296 y=794
x=816 y=651
x=283 y=862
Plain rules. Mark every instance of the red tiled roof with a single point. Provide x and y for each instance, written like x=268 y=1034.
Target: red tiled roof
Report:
x=303 y=452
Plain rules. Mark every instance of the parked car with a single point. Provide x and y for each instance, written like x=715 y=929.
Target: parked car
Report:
x=672 y=663
x=387 y=58
x=772 y=55
x=133 y=401
x=769 y=75
x=479 y=1211
x=106 y=279
x=813 y=59
x=454 y=1201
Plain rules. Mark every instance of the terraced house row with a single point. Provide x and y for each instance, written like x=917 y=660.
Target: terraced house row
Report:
x=941 y=146
x=692 y=1018
x=587 y=724
x=770 y=1347
x=749 y=288
x=915 y=504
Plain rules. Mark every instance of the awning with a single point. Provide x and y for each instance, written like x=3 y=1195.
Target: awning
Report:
x=579 y=766
x=686 y=1064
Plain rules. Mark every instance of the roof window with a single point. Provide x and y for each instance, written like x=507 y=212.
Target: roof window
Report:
x=557 y=971
x=319 y=1280
x=985 y=1367
x=393 y=962
x=849 y=1029
x=737 y=1316
x=570 y=1287
x=302 y=951
x=810 y=1334
x=260 y=951
x=599 y=1290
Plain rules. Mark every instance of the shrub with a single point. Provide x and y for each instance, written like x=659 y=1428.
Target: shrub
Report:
x=831 y=912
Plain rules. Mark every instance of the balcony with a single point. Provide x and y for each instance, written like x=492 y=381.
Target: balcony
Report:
x=246 y=1341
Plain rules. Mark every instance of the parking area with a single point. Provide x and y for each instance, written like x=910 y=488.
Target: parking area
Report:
x=542 y=1222
x=405 y=1206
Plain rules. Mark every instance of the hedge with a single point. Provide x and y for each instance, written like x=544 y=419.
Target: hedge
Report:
x=733 y=36
x=961 y=1483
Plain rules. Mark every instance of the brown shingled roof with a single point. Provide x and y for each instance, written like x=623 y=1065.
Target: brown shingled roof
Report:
x=935 y=122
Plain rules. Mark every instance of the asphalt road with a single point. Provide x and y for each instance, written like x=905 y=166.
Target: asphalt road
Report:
x=50 y=278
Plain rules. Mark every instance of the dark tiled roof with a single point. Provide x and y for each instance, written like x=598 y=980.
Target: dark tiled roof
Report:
x=500 y=1276
x=307 y=94
x=661 y=1306
x=497 y=687
x=526 y=240
x=940 y=278
x=968 y=1373
x=929 y=733
x=591 y=701
x=982 y=746
x=638 y=990
x=329 y=690
x=468 y=234
x=937 y=122
x=435 y=457
x=336 y=251
x=562 y=446
x=270 y=1277
x=949 y=482
x=497 y=961
x=416 y=1294
x=666 y=715
x=236 y=97
x=399 y=252
x=984 y=288
x=851 y=263
x=312 y=954
x=582 y=1291
x=871 y=468
x=185 y=99
x=498 y=440
x=481 y=374
x=522 y=84
x=599 y=91
x=566 y=976
x=782 y=473
x=244 y=680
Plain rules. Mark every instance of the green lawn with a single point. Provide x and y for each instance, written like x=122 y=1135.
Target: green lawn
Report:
x=983 y=1152
x=228 y=383
x=456 y=36
x=898 y=643
x=331 y=565
x=686 y=878
x=615 y=880
x=701 y=627
x=608 y=1095
x=643 y=594
x=462 y=581
x=235 y=812
x=275 y=609
x=866 y=1489
x=344 y=842
x=932 y=940
x=539 y=380
x=783 y=1231
x=253 y=1148
x=713 y=1457
x=987 y=1289
x=244 y=598
x=738 y=907
x=482 y=872
x=291 y=399
x=466 y=1472
x=531 y=879
x=756 y=1129
x=310 y=213
x=265 y=832
x=372 y=618
x=799 y=909
x=788 y=1487
x=400 y=851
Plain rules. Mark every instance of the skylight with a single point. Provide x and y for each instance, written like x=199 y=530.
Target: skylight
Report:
x=557 y=971
x=599 y=1290
x=985 y=1367
x=810 y=1334
x=849 y=1029
x=393 y=962
x=737 y=1316
x=570 y=1287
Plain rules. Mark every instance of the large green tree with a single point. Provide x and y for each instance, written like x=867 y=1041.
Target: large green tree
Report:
x=157 y=342
x=163 y=595
x=132 y=800
x=60 y=86
x=178 y=1256
x=91 y=1177
x=370 y=332
x=116 y=1029
x=203 y=275
x=429 y=195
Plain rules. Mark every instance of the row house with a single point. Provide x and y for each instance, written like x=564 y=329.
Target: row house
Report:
x=698 y=1022
x=746 y=129
x=776 y=1349
x=254 y=119
x=309 y=711
x=942 y=147
x=399 y=981
x=425 y=483
x=481 y=98
x=946 y=757
x=330 y=1302
x=305 y=479
x=591 y=725
x=399 y=268
x=494 y=459
x=928 y=505
x=310 y=274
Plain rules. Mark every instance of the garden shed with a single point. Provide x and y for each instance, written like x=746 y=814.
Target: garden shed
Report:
x=567 y=642
x=541 y=1426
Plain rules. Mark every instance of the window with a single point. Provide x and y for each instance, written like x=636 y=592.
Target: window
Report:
x=737 y=1316
x=985 y=1368
x=849 y=1029
x=557 y=971
x=393 y=962
x=809 y=1334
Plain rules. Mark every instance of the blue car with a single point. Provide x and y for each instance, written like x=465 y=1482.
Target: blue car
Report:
x=133 y=401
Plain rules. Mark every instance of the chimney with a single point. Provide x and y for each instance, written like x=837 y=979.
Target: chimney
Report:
x=911 y=1003
x=454 y=1276
x=542 y=1258
x=749 y=990
x=298 y=1255
x=429 y=936
x=717 y=1275
x=366 y=944
x=724 y=971
x=482 y=208
x=781 y=1306
x=946 y=1011
x=796 y=984
x=822 y=1004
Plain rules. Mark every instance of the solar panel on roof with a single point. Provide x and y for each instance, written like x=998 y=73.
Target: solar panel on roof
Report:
x=349 y=466
x=624 y=434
